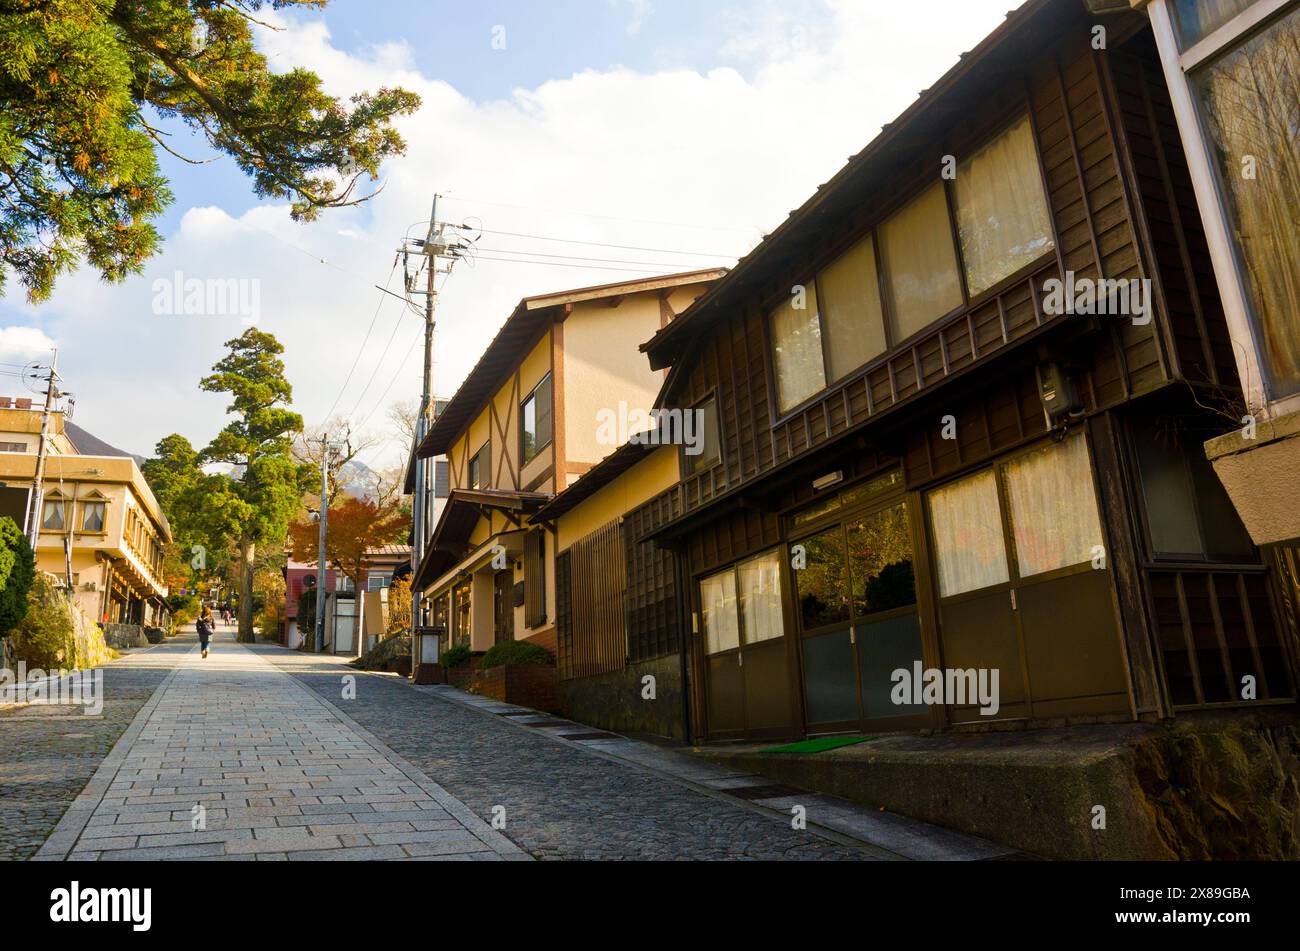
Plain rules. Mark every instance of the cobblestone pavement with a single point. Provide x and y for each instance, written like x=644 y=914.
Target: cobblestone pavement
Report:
x=233 y=759
x=559 y=801
x=48 y=753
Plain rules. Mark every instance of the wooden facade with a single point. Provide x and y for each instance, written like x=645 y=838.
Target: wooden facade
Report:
x=1148 y=632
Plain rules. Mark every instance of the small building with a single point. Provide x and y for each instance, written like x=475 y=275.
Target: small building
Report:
x=526 y=424
x=102 y=531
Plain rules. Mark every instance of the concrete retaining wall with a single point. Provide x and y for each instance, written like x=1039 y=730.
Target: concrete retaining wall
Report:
x=616 y=700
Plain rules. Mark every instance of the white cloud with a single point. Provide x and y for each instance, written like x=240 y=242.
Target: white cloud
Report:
x=725 y=154
x=20 y=344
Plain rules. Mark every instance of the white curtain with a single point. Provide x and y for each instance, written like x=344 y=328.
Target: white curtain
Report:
x=760 y=598
x=968 y=538
x=797 y=339
x=850 y=307
x=718 y=600
x=920 y=263
x=1002 y=218
x=1054 y=518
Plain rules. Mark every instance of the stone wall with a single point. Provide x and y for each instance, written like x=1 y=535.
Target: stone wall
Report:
x=616 y=700
x=525 y=684
x=124 y=636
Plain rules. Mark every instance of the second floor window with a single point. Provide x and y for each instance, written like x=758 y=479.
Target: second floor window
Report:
x=92 y=516
x=536 y=429
x=900 y=278
x=52 y=518
x=480 y=467
x=709 y=445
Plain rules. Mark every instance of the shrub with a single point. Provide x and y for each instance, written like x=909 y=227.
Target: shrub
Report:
x=44 y=638
x=520 y=653
x=17 y=568
x=456 y=656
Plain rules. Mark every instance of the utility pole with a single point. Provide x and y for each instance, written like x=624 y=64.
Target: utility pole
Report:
x=433 y=247
x=34 y=502
x=326 y=450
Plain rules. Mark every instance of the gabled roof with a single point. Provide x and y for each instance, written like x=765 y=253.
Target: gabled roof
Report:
x=901 y=144
x=464 y=508
x=518 y=334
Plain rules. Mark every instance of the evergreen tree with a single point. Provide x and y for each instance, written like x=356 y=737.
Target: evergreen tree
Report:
x=85 y=86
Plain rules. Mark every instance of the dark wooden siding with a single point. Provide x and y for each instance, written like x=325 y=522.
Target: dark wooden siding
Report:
x=653 y=611
x=590 y=586
x=1094 y=219
x=1200 y=345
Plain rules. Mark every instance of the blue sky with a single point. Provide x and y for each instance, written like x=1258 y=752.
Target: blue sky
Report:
x=686 y=127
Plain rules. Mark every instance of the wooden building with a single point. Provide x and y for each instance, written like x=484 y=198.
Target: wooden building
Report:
x=960 y=398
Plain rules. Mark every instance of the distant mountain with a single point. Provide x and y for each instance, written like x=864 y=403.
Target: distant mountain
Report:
x=89 y=444
x=357 y=479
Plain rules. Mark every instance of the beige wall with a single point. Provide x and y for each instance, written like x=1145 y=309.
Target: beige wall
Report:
x=652 y=475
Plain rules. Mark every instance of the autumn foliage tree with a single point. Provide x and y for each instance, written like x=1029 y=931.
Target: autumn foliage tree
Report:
x=354 y=527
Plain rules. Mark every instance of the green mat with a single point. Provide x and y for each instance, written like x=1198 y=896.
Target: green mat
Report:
x=819 y=745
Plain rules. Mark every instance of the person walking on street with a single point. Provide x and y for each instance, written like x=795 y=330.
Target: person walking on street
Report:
x=205 y=627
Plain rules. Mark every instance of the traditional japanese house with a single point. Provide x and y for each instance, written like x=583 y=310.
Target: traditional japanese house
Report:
x=522 y=427
x=960 y=398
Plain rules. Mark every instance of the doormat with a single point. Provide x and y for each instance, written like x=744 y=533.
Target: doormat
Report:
x=819 y=745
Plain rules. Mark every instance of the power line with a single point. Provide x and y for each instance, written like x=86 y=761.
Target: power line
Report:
x=587 y=267
x=357 y=360
x=579 y=257
x=405 y=360
x=601 y=244
x=391 y=337
x=587 y=214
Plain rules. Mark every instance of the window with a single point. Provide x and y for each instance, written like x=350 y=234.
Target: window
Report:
x=442 y=613
x=705 y=429
x=535 y=579
x=52 y=518
x=13 y=447
x=1189 y=515
x=1002 y=219
x=797 y=346
x=968 y=540
x=92 y=516
x=822 y=579
x=1054 y=520
x=480 y=467
x=1197 y=19
x=441 y=479
x=535 y=432
x=378 y=581
x=1251 y=107
x=718 y=601
x=1051 y=507
x=920 y=263
x=742 y=605
x=461 y=598
x=852 y=320
x=880 y=562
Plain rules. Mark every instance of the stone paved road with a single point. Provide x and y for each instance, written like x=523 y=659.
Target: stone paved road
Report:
x=48 y=753
x=560 y=801
x=233 y=759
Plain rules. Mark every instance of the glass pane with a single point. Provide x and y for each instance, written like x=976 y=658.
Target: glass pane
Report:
x=544 y=412
x=53 y=518
x=880 y=561
x=920 y=263
x=968 y=541
x=1197 y=19
x=1252 y=110
x=830 y=691
x=821 y=578
x=1002 y=219
x=797 y=340
x=1054 y=518
x=850 y=308
x=884 y=647
x=760 y=598
x=710 y=440
x=718 y=600
x=529 y=426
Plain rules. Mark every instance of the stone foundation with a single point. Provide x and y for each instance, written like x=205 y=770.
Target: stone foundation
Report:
x=615 y=701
